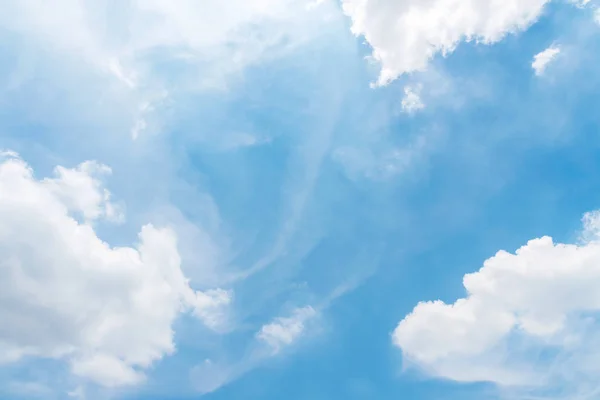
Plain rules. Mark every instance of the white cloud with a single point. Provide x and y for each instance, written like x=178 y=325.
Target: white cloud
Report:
x=412 y=99
x=272 y=338
x=114 y=66
x=315 y=3
x=284 y=331
x=581 y=3
x=597 y=15
x=406 y=34
x=542 y=59
x=123 y=38
x=529 y=318
x=81 y=191
x=150 y=47
x=66 y=294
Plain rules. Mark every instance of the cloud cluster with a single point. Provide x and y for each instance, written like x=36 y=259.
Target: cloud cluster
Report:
x=528 y=319
x=66 y=294
x=406 y=34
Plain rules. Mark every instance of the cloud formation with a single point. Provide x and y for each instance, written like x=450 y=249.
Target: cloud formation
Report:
x=66 y=294
x=284 y=331
x=123 y=38
x=411 y=102
x=143 y=54
x=544 y=58
x=528 y=319
x=406 y=34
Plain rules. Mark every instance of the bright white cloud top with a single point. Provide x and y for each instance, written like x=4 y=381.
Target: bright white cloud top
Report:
x=544 y=58
x=407 y=34
x=66 y=294
x=529 y=318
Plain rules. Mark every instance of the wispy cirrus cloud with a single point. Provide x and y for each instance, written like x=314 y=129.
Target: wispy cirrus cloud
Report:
x=544 y=58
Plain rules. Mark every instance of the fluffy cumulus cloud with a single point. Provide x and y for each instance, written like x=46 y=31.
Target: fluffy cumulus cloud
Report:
x=80 y=189
x=66 y=294
x=406 y=34
x=284 y=331
x=528 y=319
x=544 y=58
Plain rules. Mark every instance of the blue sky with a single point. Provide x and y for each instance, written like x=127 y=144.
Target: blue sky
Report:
x=304 y=200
